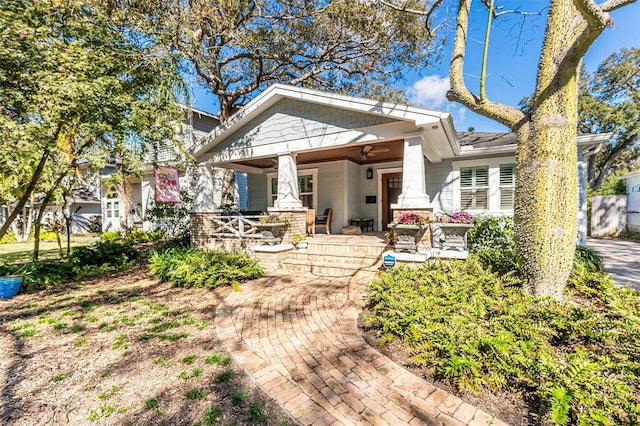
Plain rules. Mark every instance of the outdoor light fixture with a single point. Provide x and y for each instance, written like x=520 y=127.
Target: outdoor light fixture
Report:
x=369 y=173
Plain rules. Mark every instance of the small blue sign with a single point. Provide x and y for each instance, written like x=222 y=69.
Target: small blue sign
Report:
x=389 y=261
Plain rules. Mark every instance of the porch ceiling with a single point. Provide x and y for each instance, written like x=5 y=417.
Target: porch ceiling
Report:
x=388 y=151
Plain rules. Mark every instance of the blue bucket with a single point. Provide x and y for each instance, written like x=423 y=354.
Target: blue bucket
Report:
x=10 y=286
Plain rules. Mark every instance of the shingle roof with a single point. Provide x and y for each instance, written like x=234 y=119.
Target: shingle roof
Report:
x=487 y=139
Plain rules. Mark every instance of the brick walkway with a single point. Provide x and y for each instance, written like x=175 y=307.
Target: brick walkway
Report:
x=297 y=336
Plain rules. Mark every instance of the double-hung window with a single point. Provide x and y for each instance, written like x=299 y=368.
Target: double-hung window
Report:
x=474 y=188
x=112 y=204
x=507 y=186
x=305 y=188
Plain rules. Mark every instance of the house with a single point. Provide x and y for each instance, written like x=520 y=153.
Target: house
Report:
x=633 y=201
x=128 y=208
x=307 y=149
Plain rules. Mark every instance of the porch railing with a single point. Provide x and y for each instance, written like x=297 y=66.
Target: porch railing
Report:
x=234 y=226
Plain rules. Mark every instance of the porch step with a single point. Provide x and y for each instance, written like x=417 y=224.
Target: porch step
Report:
x=332 y=269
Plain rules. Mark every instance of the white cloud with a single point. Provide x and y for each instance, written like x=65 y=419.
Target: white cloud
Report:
x=429 y=92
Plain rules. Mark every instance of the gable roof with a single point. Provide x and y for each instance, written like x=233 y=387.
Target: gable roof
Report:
x=422 y=119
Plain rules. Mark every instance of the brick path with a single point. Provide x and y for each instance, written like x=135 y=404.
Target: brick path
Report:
x=297 y=336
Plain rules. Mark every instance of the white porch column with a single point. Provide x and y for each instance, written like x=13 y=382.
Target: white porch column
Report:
x=288 y=193
x=582 y=199
x=204 y=200
x=414 y=184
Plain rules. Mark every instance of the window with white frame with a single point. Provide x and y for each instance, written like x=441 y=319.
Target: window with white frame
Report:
x=507 y=186
x=474 y=188
x=306 y=188
x=112 y=204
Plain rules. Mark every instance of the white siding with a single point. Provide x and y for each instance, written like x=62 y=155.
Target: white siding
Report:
x=440 y=189
x=292 y=119
x=354 y=174
x=257 y=192
x=331 y=192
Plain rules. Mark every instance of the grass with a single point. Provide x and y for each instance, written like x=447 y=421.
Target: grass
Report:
x=196 y=394
x=256 y=412
x=238 y=398
x=151 y=404
x=210 y=416
x=58 y=377
x=108 y=394
x=189 y=359
x=223 y=376
x=217 y=358
x=22 y=252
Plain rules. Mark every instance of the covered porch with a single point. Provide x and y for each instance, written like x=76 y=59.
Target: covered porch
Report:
x=307 y=150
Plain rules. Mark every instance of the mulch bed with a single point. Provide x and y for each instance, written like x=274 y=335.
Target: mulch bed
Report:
x=122 y=349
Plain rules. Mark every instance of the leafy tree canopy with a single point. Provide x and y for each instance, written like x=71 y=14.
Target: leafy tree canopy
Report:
x=609 y=102
x=238 y=48
x=74 y=81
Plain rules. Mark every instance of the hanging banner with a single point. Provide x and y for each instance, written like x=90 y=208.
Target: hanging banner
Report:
x=167 y=184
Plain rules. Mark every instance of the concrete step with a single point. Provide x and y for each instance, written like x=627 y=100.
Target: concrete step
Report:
x=331 y=269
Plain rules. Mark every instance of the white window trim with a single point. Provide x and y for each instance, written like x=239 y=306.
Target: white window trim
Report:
x=301 y=172
x=493 y=199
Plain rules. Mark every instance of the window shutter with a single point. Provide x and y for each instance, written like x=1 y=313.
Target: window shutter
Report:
x=507 y=186
x=466 y=178
x=482 y=176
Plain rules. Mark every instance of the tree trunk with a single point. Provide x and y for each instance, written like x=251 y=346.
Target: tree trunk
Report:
x=27 y=192
x=546 y=183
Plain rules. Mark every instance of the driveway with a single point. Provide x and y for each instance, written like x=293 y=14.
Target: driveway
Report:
x=621 y=259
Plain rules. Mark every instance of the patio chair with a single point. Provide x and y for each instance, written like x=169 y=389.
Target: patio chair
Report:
x=311 y=222
x=325 y=220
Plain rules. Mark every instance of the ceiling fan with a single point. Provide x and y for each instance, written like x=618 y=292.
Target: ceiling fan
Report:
x=368 y=151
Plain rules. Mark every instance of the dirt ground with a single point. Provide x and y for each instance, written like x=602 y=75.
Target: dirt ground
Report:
x=122 y=349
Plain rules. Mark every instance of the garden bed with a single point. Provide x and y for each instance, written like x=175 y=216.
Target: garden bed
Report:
x=122 y=349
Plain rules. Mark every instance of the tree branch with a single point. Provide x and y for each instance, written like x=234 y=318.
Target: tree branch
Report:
x=611 y=5
x=507 y=115
x=594 y=15
x=427 y=14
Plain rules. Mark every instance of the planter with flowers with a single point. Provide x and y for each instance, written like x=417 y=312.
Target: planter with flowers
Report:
x=406 y=230
x=454 y=228
x=272 y=228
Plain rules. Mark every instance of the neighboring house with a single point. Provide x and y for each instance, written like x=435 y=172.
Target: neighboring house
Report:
x=303 y=148
x=142 y=190
x=633 y=201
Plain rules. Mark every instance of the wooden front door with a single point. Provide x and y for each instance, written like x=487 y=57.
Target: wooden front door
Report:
x=391 y=188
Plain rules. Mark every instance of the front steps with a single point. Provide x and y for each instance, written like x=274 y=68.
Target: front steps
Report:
x=330 y=256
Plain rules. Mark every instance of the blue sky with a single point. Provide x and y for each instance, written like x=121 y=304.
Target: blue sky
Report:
x=513 y=56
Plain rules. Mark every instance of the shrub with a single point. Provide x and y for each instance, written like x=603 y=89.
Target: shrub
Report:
x=85 y=261
x=589 y=259
x=104 y=252
x=474 y=329
x=110 y=236
x=492 y=241
x=186 y=267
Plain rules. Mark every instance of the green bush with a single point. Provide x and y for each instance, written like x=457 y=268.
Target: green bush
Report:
x=104 y=252
x=110 y=236
x=187 y=267
x=579 y=360
x=85 y=262
x=589 y=259
x=492 y=241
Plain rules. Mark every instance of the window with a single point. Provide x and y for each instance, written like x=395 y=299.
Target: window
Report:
x=507 y=186
x=112 y=204
x=474 y=185
x=305 y=188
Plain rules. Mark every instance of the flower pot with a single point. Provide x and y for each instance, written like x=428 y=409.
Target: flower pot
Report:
x=272 y=233
x=10 y=286
x=406 y=237
x=455 y=235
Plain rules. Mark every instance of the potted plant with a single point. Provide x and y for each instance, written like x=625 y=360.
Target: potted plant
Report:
x=300 y=241
x=406 y=230
x=10 y=286
x=272 y=227
x=454 y=228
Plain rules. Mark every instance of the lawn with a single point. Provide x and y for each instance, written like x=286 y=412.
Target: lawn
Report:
x=123 y=348
x=22 y=252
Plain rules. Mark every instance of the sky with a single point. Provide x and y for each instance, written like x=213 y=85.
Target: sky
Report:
x=514 y=50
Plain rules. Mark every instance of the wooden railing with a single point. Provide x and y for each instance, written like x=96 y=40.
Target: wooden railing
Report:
x=234 y=226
